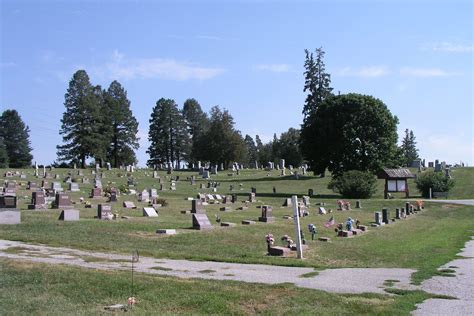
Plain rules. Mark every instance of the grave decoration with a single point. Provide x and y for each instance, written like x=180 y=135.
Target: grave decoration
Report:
x=349 y=224
x=343 y=205
x=396 y=180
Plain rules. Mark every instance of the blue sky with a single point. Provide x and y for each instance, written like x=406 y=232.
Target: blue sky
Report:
x=245 y=56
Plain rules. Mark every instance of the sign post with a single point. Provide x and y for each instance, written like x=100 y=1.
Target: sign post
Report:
x=296 y=217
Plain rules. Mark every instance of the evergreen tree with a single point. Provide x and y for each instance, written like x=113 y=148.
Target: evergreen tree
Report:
x=252 y=154
x=197 y=122
x=123 y=126
x=289 y=147
x=317 y=82
x=409 y=150
x=221 y=143
x=83 y=122
x=14 y=139
x=168 y=135
x=3 y=154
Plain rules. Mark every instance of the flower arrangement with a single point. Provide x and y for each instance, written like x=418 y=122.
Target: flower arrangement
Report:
x=269 y=238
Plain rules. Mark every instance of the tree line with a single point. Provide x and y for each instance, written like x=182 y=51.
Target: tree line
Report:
x=338 y=132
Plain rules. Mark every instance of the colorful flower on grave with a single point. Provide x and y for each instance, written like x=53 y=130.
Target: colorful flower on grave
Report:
x=269 y=238
x=132 y=300
x=312 y=228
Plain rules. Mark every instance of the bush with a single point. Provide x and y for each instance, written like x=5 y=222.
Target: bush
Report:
x=434 y=180
x=354 y=184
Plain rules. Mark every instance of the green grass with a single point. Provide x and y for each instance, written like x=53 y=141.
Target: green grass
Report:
x=423 y=242
x=29 y=288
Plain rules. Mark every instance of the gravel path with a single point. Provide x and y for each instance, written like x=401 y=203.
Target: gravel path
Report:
x=460 y=286
x=462 y=202
x=331 y=280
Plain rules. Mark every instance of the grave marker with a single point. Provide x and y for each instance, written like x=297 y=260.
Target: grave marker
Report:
x=62 y=201
x=267 y=214
x=69 y=215
x=104 y=211
x=149 y=212
x=201 y=222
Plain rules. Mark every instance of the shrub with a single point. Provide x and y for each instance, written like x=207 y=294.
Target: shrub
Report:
x=354 y=184
x=434 y=180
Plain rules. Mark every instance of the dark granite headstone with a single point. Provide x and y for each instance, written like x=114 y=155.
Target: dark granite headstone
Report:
x=385 y=216
x=129 y=204
x=62 y=201
x=201 y=222
x=38 y=201
x=32 y=185
x=104 y=211
x=252 y=198
x=7 y=201
x=96 y=193
x=398 y=213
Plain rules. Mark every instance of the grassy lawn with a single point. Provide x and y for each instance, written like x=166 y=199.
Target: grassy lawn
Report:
x=28 y=288
x=422 y=242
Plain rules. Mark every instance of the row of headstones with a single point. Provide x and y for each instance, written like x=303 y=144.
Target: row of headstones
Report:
x=383 y=217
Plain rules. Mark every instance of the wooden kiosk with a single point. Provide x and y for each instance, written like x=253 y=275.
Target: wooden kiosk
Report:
x=396 y=180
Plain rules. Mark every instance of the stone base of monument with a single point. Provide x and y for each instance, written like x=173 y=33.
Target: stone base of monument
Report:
x=243 y=208
x=10 y=217
x=248 y=222
x=362 y=228
x=228 y=224
x=278 y=251
x=225 y=209
x=166 y=231
x=325 y=239
x=69 y=215
x=266 y=219
x=357 y=231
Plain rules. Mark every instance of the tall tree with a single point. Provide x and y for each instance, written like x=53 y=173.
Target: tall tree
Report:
x=3 y=154
x=221 y=143
x=82 y=125
x=14 y=135
x=197 y=122
x=289 y=147
x=351 y=132
x=317 y=81
x=409 y=150
x=123 y=126
x=252 y=154
x=168 y=135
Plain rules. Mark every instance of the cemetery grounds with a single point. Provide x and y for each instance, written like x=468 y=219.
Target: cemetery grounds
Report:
x=423 y=242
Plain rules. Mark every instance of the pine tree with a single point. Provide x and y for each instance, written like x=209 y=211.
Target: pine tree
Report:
x=83 y=122
x=3 y=154
x=409 y=150
x=197 y=122
x=14 y=135
x=317 y=81
x=252 y=154
x=122 y=125
x=168 y=135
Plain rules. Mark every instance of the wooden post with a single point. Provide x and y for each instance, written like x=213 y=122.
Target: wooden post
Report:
x=296 y=217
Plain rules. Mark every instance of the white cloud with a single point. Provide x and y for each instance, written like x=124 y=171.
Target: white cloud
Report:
x=274 y=67
x=453 y=47
x=364 y=72
x=427 y=72
x=121 y=68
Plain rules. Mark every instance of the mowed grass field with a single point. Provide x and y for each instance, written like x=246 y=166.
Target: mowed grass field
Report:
x=423 y=242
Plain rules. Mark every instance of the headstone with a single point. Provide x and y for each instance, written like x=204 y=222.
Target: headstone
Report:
x=153 y=194
x=38 y=201
x=8 y=202
x=56 y=186
x=282 y=164
x=104 y=211
x=166 y=231
x=129 y=204
x=69 y=215
x=385 y=216
x=113 y=196
x=32 y=185
x=9 y=191
x=378 y=218
x=201 y=222
x=287 y=202
x=358 y=204
x=234 y=198
x=109 y=166
x=96 y=193
x=252 y=198
x=430 y=164
x=149 y=212
x=62 y=201
x=10 y=217
x=144 y=196
x=310 y=193
x=398 y=213
x=322 y=210
x=306 y=201
x=205 y=174
x=97 y=183
x=197 y=207
x=74 y=187
x=267 y=214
